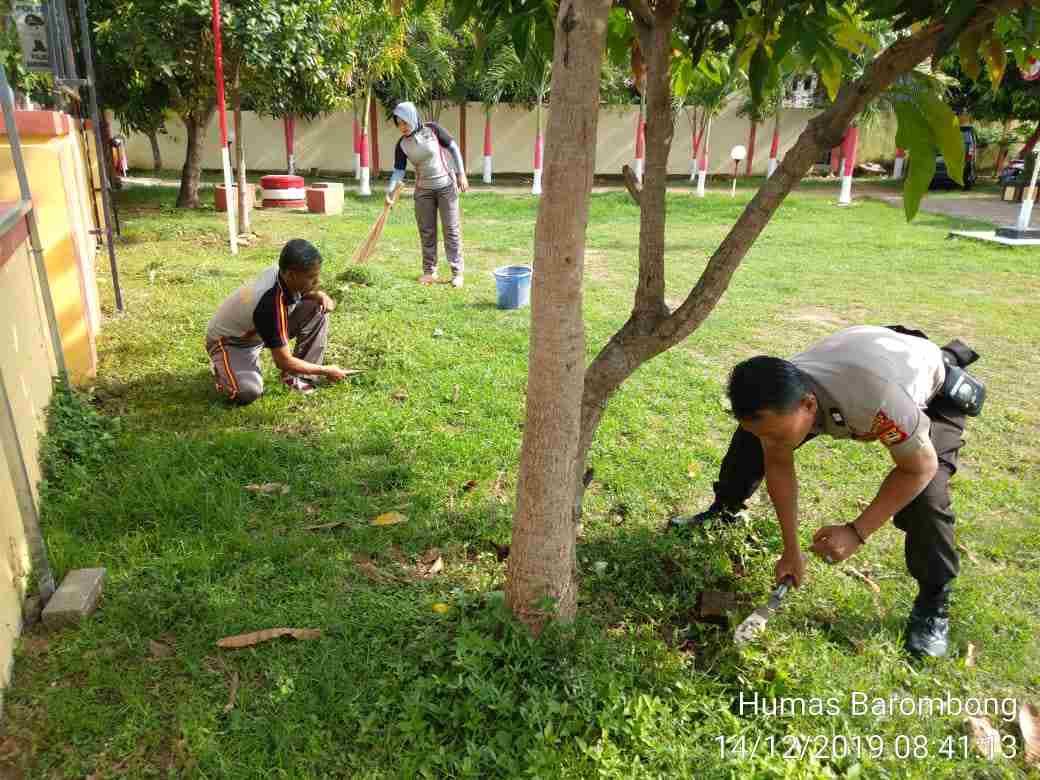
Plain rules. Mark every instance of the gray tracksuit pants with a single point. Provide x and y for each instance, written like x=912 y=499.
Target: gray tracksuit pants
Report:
x=236 y=363
x=427 y=205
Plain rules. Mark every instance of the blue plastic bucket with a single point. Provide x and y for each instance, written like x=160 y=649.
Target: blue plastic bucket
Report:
x=513 y=284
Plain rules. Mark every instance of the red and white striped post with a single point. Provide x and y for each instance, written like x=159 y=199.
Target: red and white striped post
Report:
x=290 y=144
x=218 y=61
x=487 y=145
x=536 y=186
x=849 y=152
x=640 y=161
x=897 y=170
x=702 y=163
x=365 y=189
x=774 y=149
x=357 y=145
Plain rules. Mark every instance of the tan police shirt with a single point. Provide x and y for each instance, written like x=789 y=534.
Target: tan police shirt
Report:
x=873 y=384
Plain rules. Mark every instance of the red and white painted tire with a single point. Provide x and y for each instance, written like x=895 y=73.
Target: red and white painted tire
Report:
x=283 y=192
x=1032 y=71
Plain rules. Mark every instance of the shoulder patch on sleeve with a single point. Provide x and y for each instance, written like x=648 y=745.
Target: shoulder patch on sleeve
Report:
x=887 y=431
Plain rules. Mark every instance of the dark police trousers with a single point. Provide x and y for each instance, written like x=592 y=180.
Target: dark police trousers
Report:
x=927 y=521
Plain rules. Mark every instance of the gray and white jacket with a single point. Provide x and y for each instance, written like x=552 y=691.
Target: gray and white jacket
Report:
x=425 y=148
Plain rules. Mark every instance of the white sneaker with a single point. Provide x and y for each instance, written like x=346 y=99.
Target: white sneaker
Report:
x=456 y=281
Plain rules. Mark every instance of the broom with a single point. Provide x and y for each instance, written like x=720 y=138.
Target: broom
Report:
x=365 y=250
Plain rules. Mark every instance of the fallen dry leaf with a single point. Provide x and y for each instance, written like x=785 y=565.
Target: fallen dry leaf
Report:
x=469 y=486
x=1029 y=724
x=431 y=563
x=324 y=526
x=311 y=509
x=371 y=571
x=266 y=634
x=985 y=738
x=390 y=518
x=233 y=693
x=159 y=650
x=9 y=747
x=497 y=489
x=400 y=394
x=693 y=469
x=854 y=572
x=440 y=608
x=268 y=488
x=456 y=391
x=969 y=655
x=969 y=553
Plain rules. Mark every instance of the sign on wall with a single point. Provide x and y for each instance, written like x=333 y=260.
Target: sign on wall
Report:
x=31 y=22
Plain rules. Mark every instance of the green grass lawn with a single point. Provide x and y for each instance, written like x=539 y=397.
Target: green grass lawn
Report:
x=395 y=688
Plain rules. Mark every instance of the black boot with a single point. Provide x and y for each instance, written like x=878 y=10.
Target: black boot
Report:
x=928 y=629
x=716 y=512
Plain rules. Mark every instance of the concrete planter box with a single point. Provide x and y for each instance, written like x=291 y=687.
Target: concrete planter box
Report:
x=325 y=198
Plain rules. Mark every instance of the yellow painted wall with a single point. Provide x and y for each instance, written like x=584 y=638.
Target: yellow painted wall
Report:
x=59 y=185
x=27 y=365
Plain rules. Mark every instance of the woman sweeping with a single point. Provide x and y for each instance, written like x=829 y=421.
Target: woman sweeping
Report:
x=437 y=187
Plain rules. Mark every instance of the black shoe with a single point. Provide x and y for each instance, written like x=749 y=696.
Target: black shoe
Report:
x=716 y=512
x=928 y=632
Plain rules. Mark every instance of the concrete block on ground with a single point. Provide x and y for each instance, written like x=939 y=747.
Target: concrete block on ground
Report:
x=220 y=196
x=714 y=606
x=75 y=599
x=325 y=198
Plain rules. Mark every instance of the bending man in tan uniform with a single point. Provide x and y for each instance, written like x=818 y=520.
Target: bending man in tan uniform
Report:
x=871 y=384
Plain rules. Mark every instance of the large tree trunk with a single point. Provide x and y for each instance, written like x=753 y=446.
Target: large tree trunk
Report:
x=540 y=580
x=650 y=330
x=153 y=138
x=195 y=125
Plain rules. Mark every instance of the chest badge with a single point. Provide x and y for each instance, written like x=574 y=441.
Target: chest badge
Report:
x=837 y=417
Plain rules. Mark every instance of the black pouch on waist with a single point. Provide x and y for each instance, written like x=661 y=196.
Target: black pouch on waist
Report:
x=963 y=390
x=957 y=353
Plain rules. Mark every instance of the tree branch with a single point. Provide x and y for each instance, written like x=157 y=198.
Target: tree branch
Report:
x=823 y=132
x=660 y=128
x=641 y=11
x=633 y=345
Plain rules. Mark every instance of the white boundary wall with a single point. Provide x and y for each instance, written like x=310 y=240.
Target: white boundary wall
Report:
x=327 y=142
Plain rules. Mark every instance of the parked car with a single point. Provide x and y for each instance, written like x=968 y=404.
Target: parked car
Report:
x=1013 y=173
x=971 y=149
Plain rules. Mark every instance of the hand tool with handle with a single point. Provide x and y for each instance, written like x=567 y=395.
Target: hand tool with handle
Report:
x=755 y=623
